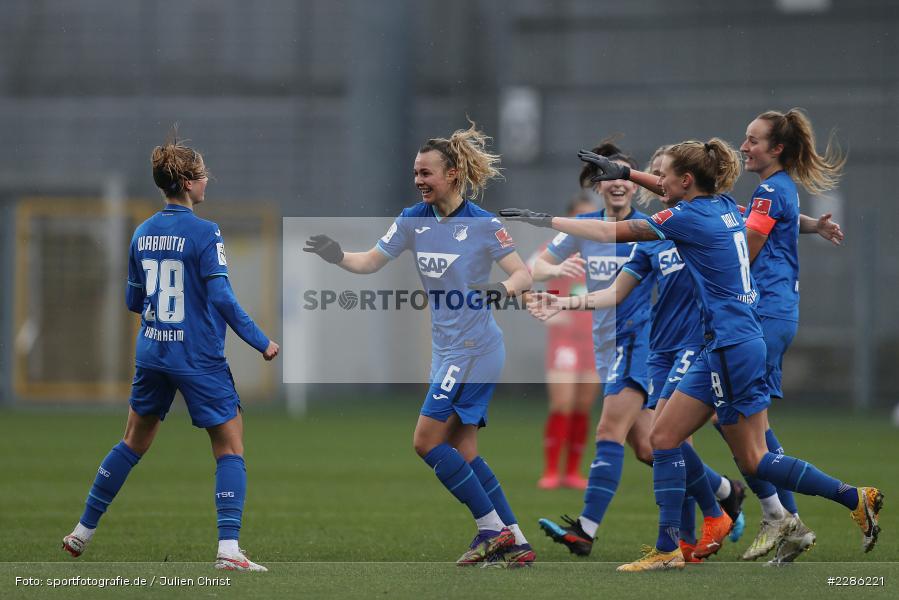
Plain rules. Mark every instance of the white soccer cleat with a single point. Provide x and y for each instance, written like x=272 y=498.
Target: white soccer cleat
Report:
x=74 y=545
x=770 y=534
x=799 y=539
x=237 y=562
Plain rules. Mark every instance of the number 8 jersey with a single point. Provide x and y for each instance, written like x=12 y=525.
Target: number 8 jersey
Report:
x=711 y=238
x=173 y=254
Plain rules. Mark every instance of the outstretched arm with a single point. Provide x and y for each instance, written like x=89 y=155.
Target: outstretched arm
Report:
x=544 y=305
x=548 y=266
x=608 y=170
x=354 y=262
x=363 y=262
x=823 y=226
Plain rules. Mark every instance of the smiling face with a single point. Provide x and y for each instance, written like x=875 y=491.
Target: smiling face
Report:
x=656 y=169
x=432 y=178
x=616 y=194
x=672 y=184
x=759 y=156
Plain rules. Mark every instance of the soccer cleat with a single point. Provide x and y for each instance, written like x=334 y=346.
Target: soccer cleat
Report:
x=714 y=530
x=574 y=482
x=572 y=536
x=549 y=482
x=799 y=539
x=739 y=527
x=237 y=562
x=485 y=545
x=687 y=551
x=733 y=504
x=655 y=560
x=870 y=501
x=74 y=545
x=770 y=533
x=514 y=557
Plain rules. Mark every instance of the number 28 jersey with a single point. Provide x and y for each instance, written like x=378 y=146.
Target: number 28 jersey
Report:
x=173 y=254
x=711 y=238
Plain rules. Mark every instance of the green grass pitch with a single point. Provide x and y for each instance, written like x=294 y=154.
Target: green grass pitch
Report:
x=340 y=506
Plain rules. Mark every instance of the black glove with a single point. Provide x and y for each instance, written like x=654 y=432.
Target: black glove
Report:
x=493 y=290
x=528 y=216
x=608 y=170
x=325 y=247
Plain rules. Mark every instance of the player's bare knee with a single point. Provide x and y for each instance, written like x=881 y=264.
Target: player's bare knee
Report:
x=137 y=445
x=660 y=439
x=643 y=452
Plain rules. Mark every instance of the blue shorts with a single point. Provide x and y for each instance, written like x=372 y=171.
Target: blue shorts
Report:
x=621 y=363
x=211 y=398
x=779 y=334
x=463 y=384
x=666 y=369
x=730 y=379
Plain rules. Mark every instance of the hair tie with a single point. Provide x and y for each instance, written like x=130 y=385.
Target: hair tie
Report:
x=707 y=147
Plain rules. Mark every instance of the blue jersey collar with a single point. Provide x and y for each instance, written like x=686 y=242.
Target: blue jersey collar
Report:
x=602 y=214
x=176 y=208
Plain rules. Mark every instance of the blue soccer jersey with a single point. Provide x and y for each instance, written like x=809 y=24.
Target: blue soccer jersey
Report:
x=451 y=253
x=775 y=212
x=711 y=238
x=173 y=254
x=604 y=261
x=676 y=319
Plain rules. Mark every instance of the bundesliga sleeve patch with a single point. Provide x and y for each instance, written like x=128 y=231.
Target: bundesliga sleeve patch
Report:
x=662 y=216
x=761 y=206
x=221 y=253
x=504 y=239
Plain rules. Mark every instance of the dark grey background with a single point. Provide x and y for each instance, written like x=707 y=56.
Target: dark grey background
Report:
x=318 y=106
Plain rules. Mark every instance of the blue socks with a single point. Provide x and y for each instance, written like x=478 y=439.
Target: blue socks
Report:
x=230 y=491
x=785 y=496
x=713 y=477
x=110 y=476
x=494 y=490
x=605 y=475
x=459 y=478
x=688 y=520
x=669 y=482
x=797 y=475
x=698 y=483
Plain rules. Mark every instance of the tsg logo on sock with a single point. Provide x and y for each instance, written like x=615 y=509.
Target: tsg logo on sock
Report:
x=103 y=472
x=224 y=494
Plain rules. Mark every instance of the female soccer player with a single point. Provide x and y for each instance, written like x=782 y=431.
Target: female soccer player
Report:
x=621 y=339
x=455 y=243
x=780 y=148
x=571 y=378
x=675 y=340
x=728 y=378
x=178 y=283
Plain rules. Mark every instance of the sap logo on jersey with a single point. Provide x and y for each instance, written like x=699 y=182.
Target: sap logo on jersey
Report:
x=604 y=268
x=670 y=261
x=434 y=264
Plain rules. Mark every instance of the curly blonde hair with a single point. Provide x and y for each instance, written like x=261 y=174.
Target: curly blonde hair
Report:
x=466 y=150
